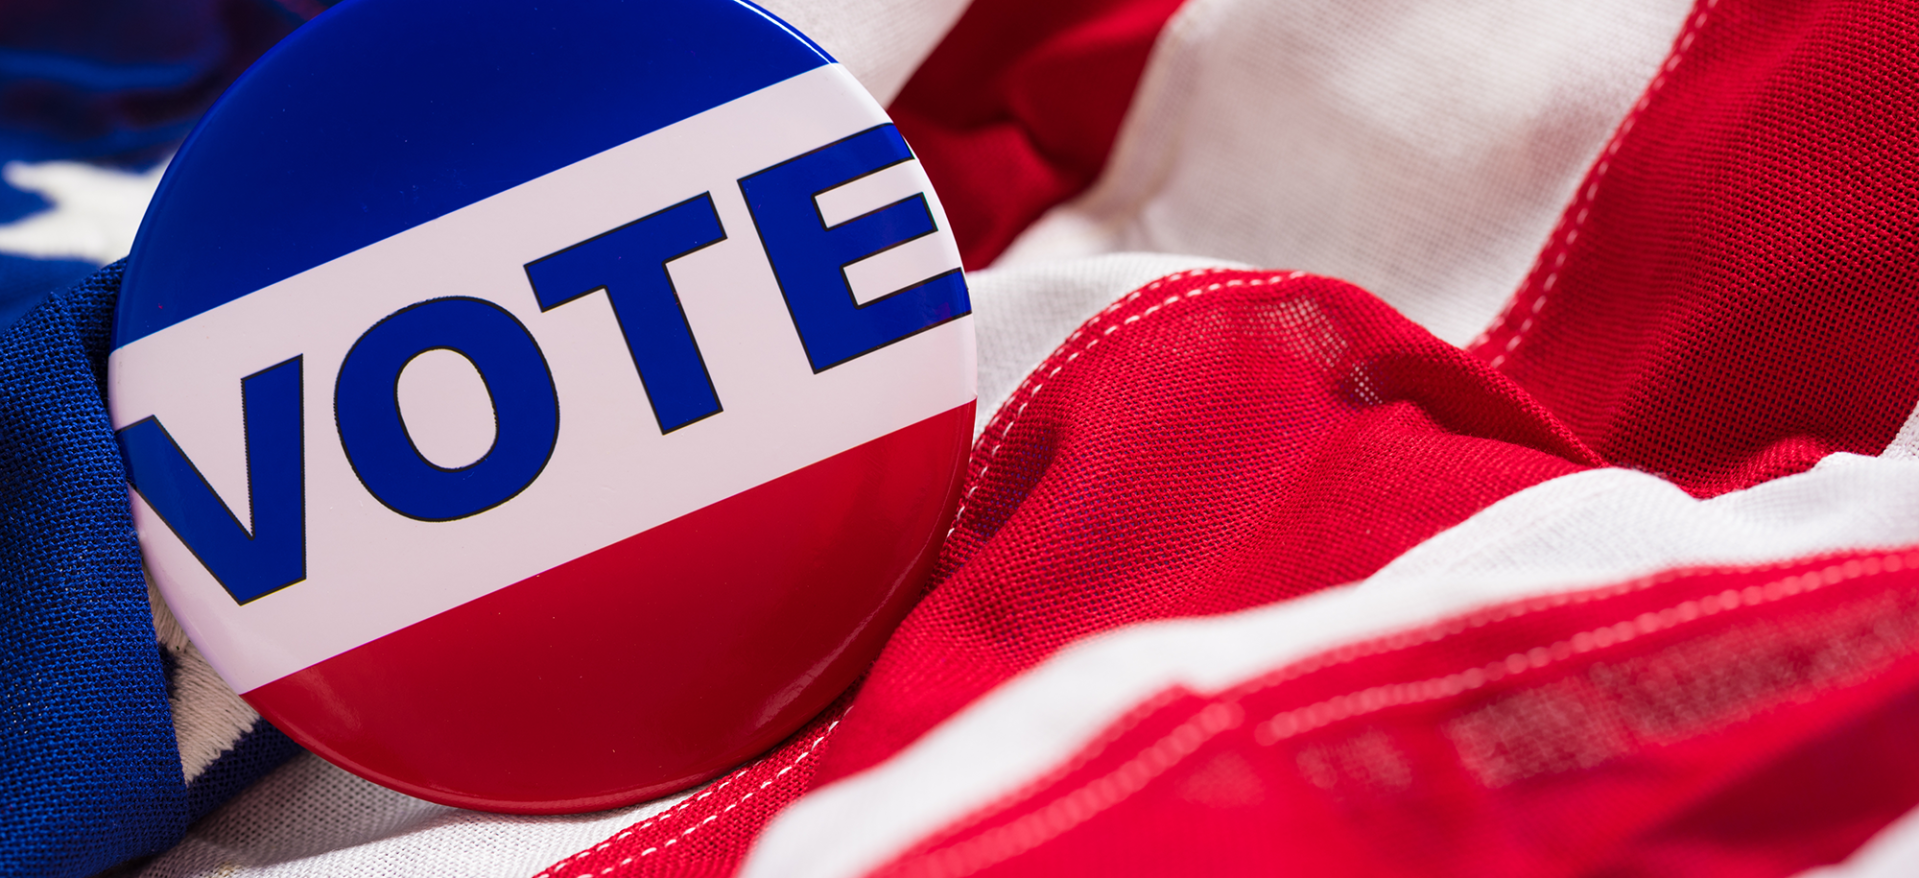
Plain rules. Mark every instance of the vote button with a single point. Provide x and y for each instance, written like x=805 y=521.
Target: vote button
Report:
x=542 y=407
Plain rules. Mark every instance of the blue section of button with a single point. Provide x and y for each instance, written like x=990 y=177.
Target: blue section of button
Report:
x=380 y=115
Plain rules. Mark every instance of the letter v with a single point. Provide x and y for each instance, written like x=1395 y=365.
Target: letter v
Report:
x=273 y=555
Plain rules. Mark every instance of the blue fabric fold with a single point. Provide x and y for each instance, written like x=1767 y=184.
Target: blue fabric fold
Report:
x=90 y=772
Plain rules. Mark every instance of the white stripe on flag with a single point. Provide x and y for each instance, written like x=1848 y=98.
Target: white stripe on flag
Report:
x=1421 y=150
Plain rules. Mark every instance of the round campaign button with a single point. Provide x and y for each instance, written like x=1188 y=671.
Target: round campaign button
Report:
x=542 y=407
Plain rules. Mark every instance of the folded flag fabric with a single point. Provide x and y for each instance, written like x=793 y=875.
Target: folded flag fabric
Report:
x=1365 y=564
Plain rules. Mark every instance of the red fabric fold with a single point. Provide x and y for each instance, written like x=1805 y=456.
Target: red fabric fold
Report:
x=1018 y=107
x=1729 y=297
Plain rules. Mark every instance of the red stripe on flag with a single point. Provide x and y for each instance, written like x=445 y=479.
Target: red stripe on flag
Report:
x=1729 y=298
x=1733 y=722
x=1017 y=108
x=731 y=625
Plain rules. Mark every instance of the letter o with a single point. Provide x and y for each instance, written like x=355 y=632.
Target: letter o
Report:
x=526 y=409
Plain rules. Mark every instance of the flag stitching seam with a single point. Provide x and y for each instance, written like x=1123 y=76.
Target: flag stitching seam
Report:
x=1561 y=247
x=1029 y=390
x=1372 y=700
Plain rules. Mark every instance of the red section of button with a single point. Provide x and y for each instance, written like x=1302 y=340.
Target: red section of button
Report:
x=655 y=663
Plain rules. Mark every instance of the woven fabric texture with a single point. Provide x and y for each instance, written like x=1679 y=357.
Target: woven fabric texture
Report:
x=1129 y=457
x=1728 y=299
x=89 y=775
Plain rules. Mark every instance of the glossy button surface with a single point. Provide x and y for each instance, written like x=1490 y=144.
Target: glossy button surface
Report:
x=542 y=407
